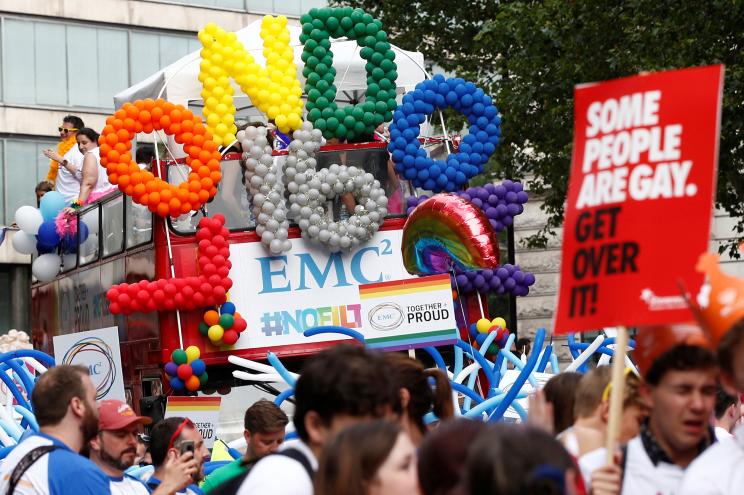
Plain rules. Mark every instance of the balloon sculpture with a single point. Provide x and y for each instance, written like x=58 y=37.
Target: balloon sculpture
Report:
x=223 y=327
x=41 y=235
x=446 y=231
x=186 y=370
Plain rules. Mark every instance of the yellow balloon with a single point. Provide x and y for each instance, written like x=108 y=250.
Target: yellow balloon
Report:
x=215 y=333
x=499 y=322
x=192 y=352
x=483 y=325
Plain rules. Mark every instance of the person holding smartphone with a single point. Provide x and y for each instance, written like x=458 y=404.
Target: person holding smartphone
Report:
x=172 y=438
x=114 y=450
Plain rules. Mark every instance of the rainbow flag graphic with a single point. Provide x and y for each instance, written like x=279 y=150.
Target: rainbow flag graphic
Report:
x=409 y=313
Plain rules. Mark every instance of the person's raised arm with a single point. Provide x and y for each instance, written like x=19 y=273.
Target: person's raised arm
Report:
x=90 y=177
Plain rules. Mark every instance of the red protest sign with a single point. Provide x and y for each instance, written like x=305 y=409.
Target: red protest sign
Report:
x=640 y=198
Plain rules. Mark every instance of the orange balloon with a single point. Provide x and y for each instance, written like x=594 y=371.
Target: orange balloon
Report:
x=211 y=317
x=123 y=135
x=193 y=383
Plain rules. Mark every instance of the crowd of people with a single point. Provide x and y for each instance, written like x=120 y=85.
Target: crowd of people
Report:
x=359 y=420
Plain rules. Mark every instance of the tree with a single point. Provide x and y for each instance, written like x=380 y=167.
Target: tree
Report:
x=530 y=54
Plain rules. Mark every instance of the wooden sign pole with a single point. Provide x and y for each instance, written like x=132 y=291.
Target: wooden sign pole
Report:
x=617 y=393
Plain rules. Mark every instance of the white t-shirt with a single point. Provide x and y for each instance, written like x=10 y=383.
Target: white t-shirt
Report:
x=722 y=433
x=280 y=475
x=103 y=183
x=67 y=183
x=126 y=485
x=60 y=472
x=719 y=470
x=642 y=477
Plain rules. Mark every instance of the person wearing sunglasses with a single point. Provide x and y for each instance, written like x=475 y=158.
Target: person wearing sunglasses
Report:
x=173 y=438
x=67 y=160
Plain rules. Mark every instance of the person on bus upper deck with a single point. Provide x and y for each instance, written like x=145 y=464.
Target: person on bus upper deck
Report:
x=339 y=387
x=114 y=450
x=49 y=463
x=42 y=188
x=680 y=374
x=166 y=441
x=68 y=158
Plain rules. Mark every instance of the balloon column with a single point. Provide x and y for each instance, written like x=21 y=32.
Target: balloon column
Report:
x=41 y=235
x=207 y=289
x=480 y=330
x=223 y=327
x=186 y=370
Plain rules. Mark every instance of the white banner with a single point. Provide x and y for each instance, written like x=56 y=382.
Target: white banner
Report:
x=307 y=287
x=97 y=350
x=204 y=412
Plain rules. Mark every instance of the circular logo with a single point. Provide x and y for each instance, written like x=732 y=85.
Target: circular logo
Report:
x=386 y=316
x=96 y=355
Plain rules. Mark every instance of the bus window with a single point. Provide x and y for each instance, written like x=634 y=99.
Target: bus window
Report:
x=231 y=200
x=88 y=251
x=139 y=224
x=113 y=226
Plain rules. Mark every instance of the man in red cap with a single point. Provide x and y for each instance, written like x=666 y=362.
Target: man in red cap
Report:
x=114 y=449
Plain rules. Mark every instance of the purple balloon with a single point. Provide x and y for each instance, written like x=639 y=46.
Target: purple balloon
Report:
x=502 y=273
x=482 y=194
x=529 y=279
x=495 y=283
x=493 y=200
x=462 y=279
x=499 y=191
x=466 y=196
x=518 y=276
x=494 y=224
x=477 y=202
x=487 y=273
x=510 y=197
x=501 y=211
x=522 y=197
x=479 y=281
x=509 y=283
x=508 y=184
x=489 y=187
x=517 y=186
x=471 y=274
x=499 y=226
x=507 y=220
x=491 y=212
x=472 y=191
x=513 y=209
x=510 y=268
x=171 y=368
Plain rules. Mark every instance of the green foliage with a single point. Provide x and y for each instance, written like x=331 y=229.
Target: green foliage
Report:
x=530 y=54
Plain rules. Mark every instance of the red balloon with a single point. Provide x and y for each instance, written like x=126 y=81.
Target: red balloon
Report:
x=199 y=300
x=209 y=269
x=219 y=293
x=230 y=337
x=184 y=372
x=125 y=300
x=112 y=294
x=114 y=308
x=215 y=280
x=218 y=260
x=239 y=325
x=143 y=296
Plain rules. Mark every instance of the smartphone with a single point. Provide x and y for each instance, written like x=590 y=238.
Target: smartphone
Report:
x=187 y=446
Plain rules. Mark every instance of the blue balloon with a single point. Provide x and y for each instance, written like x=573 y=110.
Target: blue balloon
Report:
x=198 y=367
x=51 y=204
x=177 y=384
x=83 y=231
x=48 y=233
x=228 y=308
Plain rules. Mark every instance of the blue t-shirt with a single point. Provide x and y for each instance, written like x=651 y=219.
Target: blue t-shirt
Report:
x=153 y=483
x=60 y=472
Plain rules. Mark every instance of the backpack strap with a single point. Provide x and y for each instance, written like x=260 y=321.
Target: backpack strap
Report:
x=25 y=463
x=298 y=456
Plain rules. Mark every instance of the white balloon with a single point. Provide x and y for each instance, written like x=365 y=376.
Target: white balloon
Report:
x=69 y=261
x=29 y=219
x=46 y=267
x=24 y=242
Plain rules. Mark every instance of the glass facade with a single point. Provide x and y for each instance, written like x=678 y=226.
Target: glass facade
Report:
x=23 y=166
x=286 y=7
x=77 y=65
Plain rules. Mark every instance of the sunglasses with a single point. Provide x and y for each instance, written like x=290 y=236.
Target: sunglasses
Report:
x=65 y=130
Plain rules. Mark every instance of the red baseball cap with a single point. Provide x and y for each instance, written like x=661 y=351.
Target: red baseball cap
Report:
x=115 y=415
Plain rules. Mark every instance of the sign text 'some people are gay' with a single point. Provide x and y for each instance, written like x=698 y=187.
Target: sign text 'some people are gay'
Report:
x=640 y=197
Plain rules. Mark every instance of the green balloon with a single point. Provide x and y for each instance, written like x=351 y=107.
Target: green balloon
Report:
x=372 y=29
x=346 y=23
x=227 y=321
x=380 y=46
x=380 y=107
x=307 y=27
x=390 y=55
x=313 y=78
x=349 y=122
x=318 y=34
x=387 y=65
x=388 y=115
x=332 y=23
x=325 y=43
x=392 y=105
x=332 y=123
x=310 y=45
x=339 y=114
x=378 y=73
x=203 y=328
x=322 y=86
x=357 y=112
x=368 y=119
x=309 y=105
x=319 y=124
x=179 y=356
x=324 y=13
x=305 y=18
x=360 y=30
x=321 y=68
x=382 y=95
x=373 y=89
x=367 y=19
x=321 y=102
x=319 y=52
x=357 y=15
x=347 y=11
x=329 y=76
x=326 y=113
x=327 y=59
x=387 y=85
x=359 y=127
x=366 y=52
x=381 y=36
x=341 y=131
x=368 y=106
x=377 y=58
x=392 y=75
x=304 y=37
x=203 y=378
x=318 y=24
x=367 y=41
x=312 y=61
x=313 y=115
x=330 y=93
x=313 y=94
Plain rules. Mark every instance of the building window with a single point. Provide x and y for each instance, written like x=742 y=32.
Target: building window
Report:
x=78 y=65
x=24 y=166
x=285 y=7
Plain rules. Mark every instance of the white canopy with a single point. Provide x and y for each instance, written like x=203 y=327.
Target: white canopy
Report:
x=178 y=82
